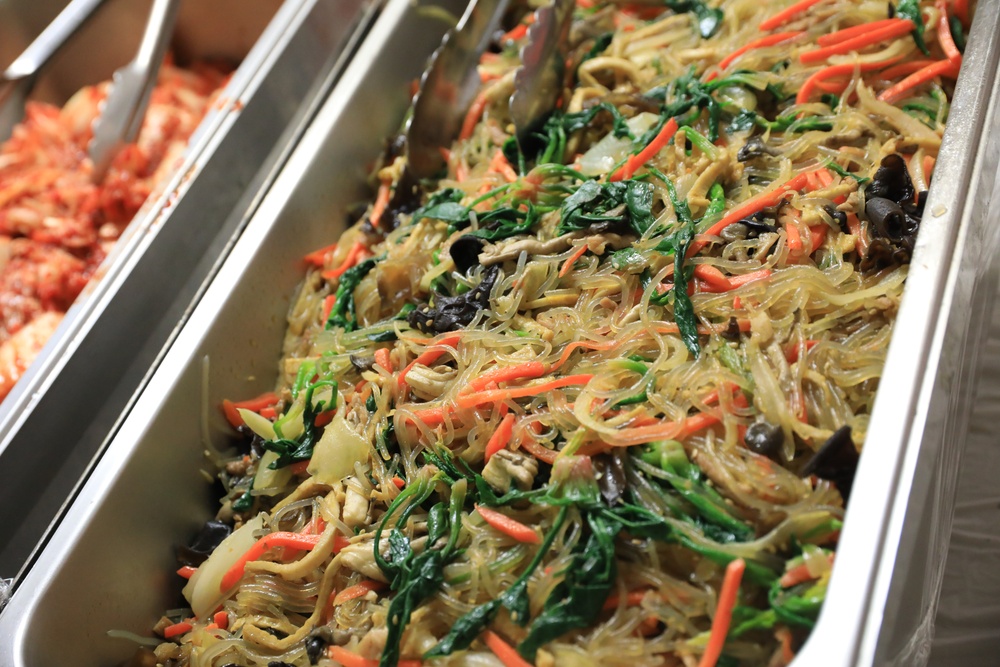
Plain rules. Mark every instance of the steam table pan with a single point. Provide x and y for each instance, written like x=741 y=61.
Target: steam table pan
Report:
x=110 y=564
x=54 y=421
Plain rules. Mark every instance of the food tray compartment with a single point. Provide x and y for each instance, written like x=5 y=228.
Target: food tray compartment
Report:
x=230 y=345
x=54 y=421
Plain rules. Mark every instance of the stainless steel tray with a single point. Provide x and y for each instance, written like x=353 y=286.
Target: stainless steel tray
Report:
x=53 y=423
x=231 y=343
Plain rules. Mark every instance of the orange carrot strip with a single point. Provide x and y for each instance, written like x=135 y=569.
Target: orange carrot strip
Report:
x=769 y=40
x=847 y=33
x=786 y=15
x=817 y=234
x=383 y=358
x=715 y=279
x=433 y=416
x=328 y=303
x=496 y=395
x=265 y=400
x=944 y=34
x=939 y=68
x=352 y=258
x=870 y=38
x=381 y=201
x=794 y=238
x=357 y=590
x=571 y=260
x=473 y=116
x=797 y=575
x=961 y=8
x=318 y=257
x=348 y=659
x=515 y=33
x=221 y=619
x=836 y=71
x=632 y=164
x=430 y=356
x=723 y=613
x=739 y=281
x=176 y=629
x=507 y=654
x=632 y=599
x=508 y=526
x=749 y=207
x=543 y=454
x=527 y=371
x=299 y=467
x=398 y=482
x=929 y=162
x=784 y=635
x=262 y=546
x=186 y=571
x=905 y=69
x=792 y=351
x=501 y=437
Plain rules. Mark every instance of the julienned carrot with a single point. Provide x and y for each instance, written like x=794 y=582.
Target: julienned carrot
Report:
x=262 y=546
x=786 y=15
x=352 y=258
x=318 y=257
x=792 y=351
x=739 y=281
x=515 y=33
x=496 y=395
x=938 y=68
x=904 y=69
x=817 y=234
x=632 y=164
x=961 y=8
x=474 y=114
x=348 y=659
x=329 y=301
x=723 y=613
x=433 y=416
x=221 y=619
x=794 y=238
x=381 y=201
x=230 y=408
x=571 y=260
x=769 y=40
x=508 y=526
x=714 y=279
x=797 y=575
x=507 y=654
x=383 y=358
x=870 y=38
x=836 y=71
x=176 y=629
x=430 y=356
x=186 y=571
x=500 y=165
x=501 y=437
x=944 y=34
x=498 y=374
x=928 y=165
x=299 y=467
x=632 y=599
x=751 y=206
x=357 y=590
x=847 y=33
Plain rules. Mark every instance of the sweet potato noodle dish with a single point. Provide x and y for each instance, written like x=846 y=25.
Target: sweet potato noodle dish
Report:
x=597 y=399
x=56 y=226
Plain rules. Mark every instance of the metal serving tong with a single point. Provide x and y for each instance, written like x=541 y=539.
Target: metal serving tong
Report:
x=447 y=88
x=538 y=82
x=18 y=79
x=125 y=106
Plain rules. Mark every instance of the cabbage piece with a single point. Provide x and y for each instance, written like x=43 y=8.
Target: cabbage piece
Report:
x=337 y=451
x=202 y=590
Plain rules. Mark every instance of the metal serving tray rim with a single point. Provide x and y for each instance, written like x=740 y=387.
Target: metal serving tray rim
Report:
x=837 y=636
x=141 y=231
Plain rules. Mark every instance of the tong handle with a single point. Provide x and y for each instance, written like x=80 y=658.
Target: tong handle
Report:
x=152 y=49
x=57 y=33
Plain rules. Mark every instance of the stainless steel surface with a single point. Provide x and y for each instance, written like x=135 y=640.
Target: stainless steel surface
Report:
x=538 y=82
x=124 y=108
x=58 y=416
x=447 y=88
x=151 y=467
x=231 y=343
x=18 y=79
